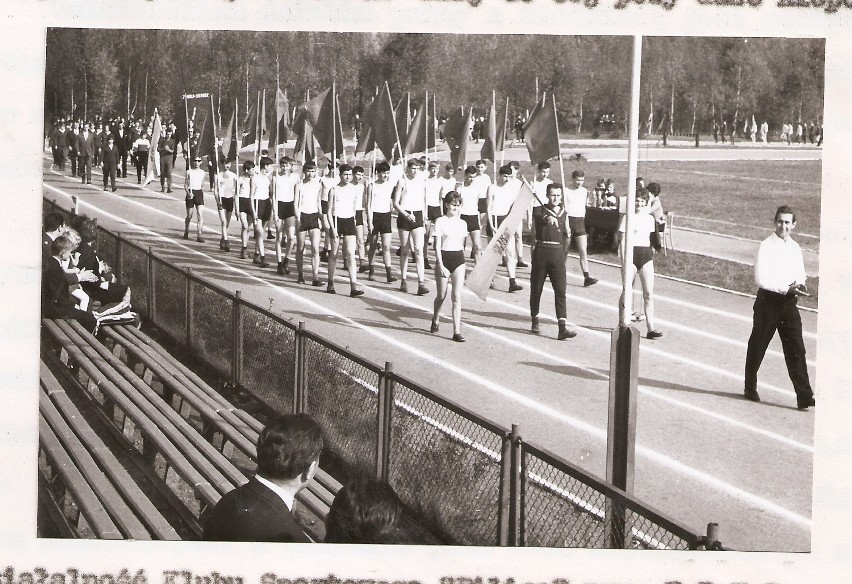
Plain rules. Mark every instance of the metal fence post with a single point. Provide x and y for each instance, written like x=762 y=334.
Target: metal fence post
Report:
x=119 y=264
x=151 y=287
x=299 y=369
x=384 y=415
x=504 y=492
x=236 y=340
x=188 y=309
x=516 y=488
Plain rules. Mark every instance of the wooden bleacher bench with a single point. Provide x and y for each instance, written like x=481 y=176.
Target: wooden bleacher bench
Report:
x=111 y=501
x=168 y=449
x=223 y=423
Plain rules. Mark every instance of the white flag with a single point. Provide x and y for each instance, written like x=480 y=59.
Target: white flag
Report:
x=153 y=152
x=479 y=279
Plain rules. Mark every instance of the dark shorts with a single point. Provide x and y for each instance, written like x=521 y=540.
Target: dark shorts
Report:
x=324 y=207
x=482 y=205
x=577 y=225
x=472 y=222
x=359 y=217
x=452 y=259
x=345 y=226
x=432 y=213
x=245 y=207
x=309 y=221
x=641 y=256
x=264 y=209
x=382 y=223
x=195 y=198
x=488 y=230
x=228 y=204
x=286 y=210
x=403 y=223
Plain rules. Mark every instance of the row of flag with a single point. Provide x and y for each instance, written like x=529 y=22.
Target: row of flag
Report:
x=397 y=131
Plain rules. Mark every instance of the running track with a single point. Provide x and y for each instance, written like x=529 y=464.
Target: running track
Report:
x=703 y=453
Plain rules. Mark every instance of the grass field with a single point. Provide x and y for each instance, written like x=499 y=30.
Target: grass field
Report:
x=731 y=198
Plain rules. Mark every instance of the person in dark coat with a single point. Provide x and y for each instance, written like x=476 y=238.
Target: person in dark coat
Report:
x=288 y=453
x=109 y=158
x=124 y=145
x=86 y=153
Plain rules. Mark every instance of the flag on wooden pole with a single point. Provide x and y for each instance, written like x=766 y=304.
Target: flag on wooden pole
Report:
x=153 y=152
x=418 y=137
x=457 y=135
x=540 y=133
x=479 y=279
x=490 y=148
x=320 y=112
x=366 y=141
x=279 y=130
x=229 y=141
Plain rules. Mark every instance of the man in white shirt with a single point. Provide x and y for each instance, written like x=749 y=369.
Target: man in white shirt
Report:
x=225 y=192
x=779 y=272
x=575 y=205
x=194 y=187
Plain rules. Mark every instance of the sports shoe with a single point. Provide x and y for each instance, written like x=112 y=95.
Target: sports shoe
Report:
x=227 y=246
x=536 y=326
x=590 y=281
x=324 y=255
x=565 y=333
x=300 y=279
x=365 y=268
x=422 y=290
x=803 y=406
x=752 y=395
x=458 y=338
x=280 y=270
x=243 y=253
x=316 y=283
x=514 y=287
x=199 y=239
x=286 y=265
x=263 y=263
x=391 y=278
x=434 y=327
x=186 y=234
x=654 y=334
x=255 y=259
x=426 y=264
x=356 y=293
x=330 y=290
x=523 y=264
x=403 y=286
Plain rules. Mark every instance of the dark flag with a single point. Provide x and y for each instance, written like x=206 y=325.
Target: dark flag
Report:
x=402 y=115
x=366 y=141
x=304 y=137
x=457 y=135
x=420 y=136
x=325 y=121
x=490 y=148
x=383 y=124
x=540 y=132
x=252 y=120
x=229 y=142
x=279 y=131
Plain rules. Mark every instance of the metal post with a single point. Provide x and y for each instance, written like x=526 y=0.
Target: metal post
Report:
x=516 y=489
x=384 y=419
x=504 y=491
x=236 y=340
x=188 y=309
x=118 y=263
x=151 y=304
x=299 y=369
x=621 y=426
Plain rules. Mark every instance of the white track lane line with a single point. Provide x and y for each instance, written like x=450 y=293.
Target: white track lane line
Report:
x=590 y=429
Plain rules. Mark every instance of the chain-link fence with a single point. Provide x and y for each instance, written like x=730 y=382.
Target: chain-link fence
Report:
x=467 y=479
x=445 y=464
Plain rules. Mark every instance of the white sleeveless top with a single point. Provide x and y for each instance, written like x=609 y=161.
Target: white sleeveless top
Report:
x=413 y=198
x=382 y=194
x=309 y=191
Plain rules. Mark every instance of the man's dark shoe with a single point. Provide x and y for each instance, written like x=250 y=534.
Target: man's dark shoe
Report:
x=523 y=264
x=514 y=287
x=803 y=406
x=422 y=290
x=654 y=334
x=356 y=293
x=536 y=326
x=752 y=396
x=590 y=281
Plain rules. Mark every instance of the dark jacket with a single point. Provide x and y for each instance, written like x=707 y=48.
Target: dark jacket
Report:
x=252 y=512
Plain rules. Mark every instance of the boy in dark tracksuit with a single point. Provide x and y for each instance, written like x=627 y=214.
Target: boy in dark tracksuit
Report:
x=551 y=236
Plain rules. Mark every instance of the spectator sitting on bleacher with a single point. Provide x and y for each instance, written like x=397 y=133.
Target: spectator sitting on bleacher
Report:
x=56 y=299
x=288 y=453
x=54 y=226
x=366 y=511
x=107 y=289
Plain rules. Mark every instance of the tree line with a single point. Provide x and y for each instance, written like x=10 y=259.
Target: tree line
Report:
x=687 y=82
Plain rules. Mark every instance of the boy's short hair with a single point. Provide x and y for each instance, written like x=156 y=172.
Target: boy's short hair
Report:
x=515 y=164
x=505 y=170
x=653 y=188
x=345 y=168
x=578 y=174
x=53 y=221
x=309 y=165
x=471 y=170
x=553 y=186
x=357 y=169
x=784 y=209
x=482 y=162
x=412 y=162
x=383 y=167
x=543 y=165
x=248 y=165
x=60 y=246
x=288 y=446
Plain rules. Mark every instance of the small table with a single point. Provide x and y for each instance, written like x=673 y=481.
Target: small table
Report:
x=602 y=223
